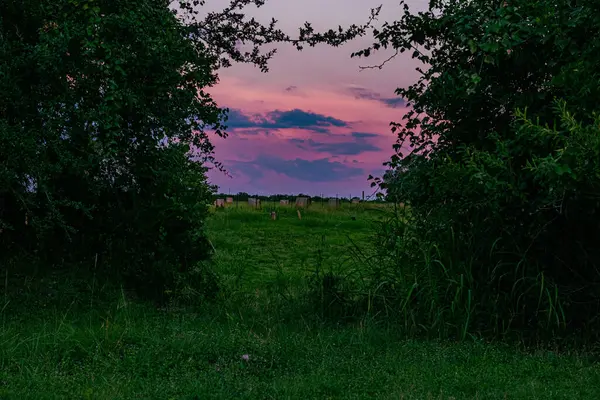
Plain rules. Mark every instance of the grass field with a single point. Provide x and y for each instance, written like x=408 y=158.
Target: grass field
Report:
x=255 y=252
x=262 y=340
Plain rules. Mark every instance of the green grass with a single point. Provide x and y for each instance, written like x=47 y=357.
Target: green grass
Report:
x=108 y=347
x=253 y=250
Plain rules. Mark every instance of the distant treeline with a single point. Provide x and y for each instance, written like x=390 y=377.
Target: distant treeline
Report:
x=243 y=196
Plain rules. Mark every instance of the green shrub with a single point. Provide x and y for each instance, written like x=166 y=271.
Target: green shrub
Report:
x=503 y=242
x=103 y=107
x=499 y=234
x=89 y=90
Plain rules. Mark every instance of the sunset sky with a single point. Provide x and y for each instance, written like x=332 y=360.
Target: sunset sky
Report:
x=315 y=123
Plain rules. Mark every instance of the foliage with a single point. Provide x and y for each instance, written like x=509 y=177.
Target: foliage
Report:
x=91 y=88
x=104 y=124
x=480 y=255
x=486 y=60
x=501 y=179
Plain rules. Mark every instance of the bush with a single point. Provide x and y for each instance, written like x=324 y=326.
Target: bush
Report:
x=100 y=115
x=503 y=242
x=103 y=109
x=501 y=222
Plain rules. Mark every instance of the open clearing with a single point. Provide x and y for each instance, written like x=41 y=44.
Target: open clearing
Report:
x=259 y=341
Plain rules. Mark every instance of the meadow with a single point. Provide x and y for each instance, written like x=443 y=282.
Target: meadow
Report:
x=269 y=334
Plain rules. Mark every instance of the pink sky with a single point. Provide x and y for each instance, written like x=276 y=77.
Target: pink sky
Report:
x=315 y=123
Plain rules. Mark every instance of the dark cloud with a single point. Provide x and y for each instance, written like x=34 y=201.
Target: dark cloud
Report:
x=237 y=119
x=356 y=145
x=394 y=102
x=364 y=93
x=302 y=119
x=322 y=170
x=294 y=90
x=362 y=135
x=345 y=148
x=284 y=119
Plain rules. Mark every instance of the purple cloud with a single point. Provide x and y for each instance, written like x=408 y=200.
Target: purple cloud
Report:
x=321 y=170
x=364 y=93
x=277 y=119
x=337 y=149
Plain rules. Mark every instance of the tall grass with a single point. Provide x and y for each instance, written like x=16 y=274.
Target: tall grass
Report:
x=433 y=289
x=440 y=289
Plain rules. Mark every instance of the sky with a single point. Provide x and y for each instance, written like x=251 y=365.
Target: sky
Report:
x=315 y=123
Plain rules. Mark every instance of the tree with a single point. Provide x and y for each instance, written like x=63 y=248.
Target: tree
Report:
x=104 y=129
x=485 y=60
x=493 y=167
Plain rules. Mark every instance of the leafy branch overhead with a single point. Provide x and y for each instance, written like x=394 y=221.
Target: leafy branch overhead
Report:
x=482 y=60
x=222 y=34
